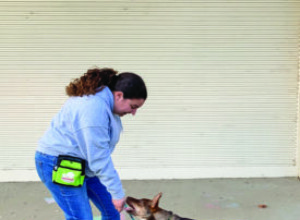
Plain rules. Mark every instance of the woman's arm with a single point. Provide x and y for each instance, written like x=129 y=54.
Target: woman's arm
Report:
x=93 y=142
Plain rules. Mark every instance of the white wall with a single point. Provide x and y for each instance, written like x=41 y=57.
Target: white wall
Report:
x=222 y=80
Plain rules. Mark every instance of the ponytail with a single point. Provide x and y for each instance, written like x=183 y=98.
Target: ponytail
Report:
x=89 y=83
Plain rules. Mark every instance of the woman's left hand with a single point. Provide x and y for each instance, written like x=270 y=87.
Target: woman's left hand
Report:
x=119 y=204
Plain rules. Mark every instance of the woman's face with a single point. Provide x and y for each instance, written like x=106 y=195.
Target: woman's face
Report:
x=125 y=106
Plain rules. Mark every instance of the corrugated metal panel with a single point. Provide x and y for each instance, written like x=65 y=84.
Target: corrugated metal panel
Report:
x=222 y=79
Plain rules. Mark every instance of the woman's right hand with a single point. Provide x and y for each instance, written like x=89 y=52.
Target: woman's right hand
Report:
x=119 y=204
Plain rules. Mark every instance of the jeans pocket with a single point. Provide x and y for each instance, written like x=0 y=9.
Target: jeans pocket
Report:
x=39 y=169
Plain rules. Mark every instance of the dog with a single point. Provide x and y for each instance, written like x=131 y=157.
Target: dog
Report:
x=147 y=209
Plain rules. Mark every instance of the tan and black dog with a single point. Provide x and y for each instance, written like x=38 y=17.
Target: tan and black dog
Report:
x=147 y=209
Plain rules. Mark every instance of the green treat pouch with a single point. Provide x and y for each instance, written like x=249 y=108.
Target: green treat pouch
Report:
x=69 y=171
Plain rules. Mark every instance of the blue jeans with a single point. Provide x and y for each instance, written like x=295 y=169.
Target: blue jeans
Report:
x=74 y=201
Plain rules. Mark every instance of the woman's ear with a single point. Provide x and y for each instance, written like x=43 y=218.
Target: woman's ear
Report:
x=118 y=95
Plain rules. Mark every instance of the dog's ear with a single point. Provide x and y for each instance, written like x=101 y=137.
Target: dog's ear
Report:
x=155 y=200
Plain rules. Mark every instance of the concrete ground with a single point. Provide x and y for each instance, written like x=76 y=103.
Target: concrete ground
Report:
x=203 y=199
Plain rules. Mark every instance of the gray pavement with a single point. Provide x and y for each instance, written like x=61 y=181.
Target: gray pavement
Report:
x=201 y=199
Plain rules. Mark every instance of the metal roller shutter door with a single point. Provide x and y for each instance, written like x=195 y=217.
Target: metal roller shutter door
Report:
x=222 y=79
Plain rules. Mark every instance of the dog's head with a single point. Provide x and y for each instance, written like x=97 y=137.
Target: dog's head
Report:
x=142 y=208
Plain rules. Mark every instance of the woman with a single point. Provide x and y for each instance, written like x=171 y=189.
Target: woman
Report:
x=73 y=157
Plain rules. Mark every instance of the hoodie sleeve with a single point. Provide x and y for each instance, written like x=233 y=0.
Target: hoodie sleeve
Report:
x=93 y=142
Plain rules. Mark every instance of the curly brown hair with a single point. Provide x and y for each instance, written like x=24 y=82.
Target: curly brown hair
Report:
x=91 y=81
